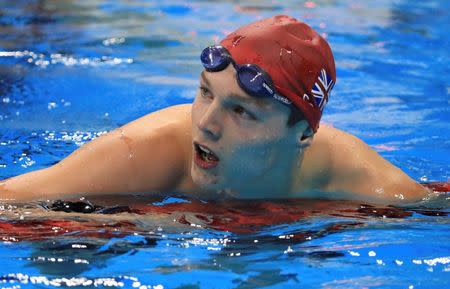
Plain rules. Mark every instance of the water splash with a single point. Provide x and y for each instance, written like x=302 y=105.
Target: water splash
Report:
x=121 y=281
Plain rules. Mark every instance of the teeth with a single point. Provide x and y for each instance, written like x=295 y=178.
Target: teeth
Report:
x=207 y=154
x=205 y=149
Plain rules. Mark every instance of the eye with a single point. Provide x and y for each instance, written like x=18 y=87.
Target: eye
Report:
x=242 y=112
x=204 y=92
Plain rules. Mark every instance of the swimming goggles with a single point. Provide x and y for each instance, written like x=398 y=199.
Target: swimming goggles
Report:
x=250 y=77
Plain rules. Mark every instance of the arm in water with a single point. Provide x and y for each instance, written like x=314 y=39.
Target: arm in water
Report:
x=143 y=156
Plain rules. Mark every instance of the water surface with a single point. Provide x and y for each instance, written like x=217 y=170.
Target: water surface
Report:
x=72 y=70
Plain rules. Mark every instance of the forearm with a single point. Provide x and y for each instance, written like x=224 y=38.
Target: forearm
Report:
x=67 y=179
x=88 y=170
x=30 y=186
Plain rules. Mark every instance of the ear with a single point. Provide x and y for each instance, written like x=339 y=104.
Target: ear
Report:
x=307 y=138
x=303 y=134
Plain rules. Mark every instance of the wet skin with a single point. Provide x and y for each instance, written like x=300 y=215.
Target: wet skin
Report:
x=258 y=156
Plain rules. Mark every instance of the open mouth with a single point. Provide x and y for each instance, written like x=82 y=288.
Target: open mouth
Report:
x=204 y=156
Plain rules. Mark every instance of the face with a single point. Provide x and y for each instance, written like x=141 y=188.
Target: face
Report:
x=237 y=138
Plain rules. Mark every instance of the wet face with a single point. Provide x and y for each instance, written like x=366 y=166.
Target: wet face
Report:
x=237 y=138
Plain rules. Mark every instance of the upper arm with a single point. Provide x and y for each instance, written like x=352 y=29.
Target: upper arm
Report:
x=144 y=155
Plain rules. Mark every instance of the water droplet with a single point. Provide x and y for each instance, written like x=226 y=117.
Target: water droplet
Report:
x=236 y=39
x=286 y=50
x=399 y=196
x=51 y=105
x=379 y=191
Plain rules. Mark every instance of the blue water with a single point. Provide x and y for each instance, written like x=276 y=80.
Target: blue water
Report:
x=71 y=70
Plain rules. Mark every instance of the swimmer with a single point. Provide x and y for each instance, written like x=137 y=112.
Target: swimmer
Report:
x=252 y=132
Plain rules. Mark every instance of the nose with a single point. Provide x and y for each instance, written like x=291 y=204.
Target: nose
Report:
x=210 y=123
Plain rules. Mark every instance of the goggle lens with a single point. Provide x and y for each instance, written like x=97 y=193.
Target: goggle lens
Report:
x=215 y=58
x=254 y=80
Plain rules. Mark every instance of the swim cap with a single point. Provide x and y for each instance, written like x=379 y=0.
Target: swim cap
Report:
x=297 y=58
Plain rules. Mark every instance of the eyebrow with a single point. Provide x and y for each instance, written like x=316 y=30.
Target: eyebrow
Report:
x=260 y=103
x=204 y=78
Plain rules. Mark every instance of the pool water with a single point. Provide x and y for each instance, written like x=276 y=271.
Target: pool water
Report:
x=72 y=70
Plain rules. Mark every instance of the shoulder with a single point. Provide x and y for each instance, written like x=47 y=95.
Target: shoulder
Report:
x=330 y=153
x=167 y=127
x=355 y=168
x=171 y=126
x=160 y=144
x=177 y=115
x=348 y=156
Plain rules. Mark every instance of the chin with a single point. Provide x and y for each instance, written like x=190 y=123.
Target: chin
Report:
x=205 y=180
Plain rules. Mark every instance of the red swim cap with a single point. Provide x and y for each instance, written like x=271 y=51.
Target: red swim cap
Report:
x=297 y=58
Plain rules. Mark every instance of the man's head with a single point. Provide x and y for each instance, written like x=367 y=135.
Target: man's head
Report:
x=250 y=118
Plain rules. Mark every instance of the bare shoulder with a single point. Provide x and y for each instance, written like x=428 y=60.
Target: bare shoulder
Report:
x=168 y=129
x=160 y=143
x=172 y=116
x=354 y=167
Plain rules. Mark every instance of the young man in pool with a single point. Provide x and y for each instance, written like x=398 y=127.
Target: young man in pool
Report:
x=251 y=132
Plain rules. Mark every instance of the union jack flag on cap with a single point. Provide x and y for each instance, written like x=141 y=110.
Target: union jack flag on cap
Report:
x=322 y=88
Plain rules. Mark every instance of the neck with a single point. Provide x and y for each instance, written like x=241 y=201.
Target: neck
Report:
x=280 y=180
